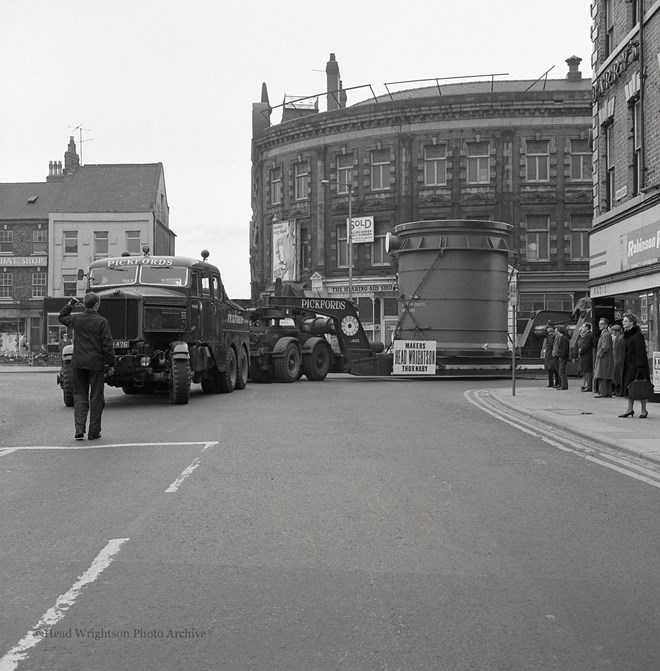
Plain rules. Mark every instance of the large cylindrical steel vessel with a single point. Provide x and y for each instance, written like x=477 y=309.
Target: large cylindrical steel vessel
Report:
x=453 y=281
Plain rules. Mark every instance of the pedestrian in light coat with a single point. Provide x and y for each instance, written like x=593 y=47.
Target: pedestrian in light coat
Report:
x=585 y=352
x=604 y=363
x=618 y=351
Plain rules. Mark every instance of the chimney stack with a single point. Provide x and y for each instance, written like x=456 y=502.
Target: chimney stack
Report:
x=71 y=158
x=574 y=75
x=334 y=84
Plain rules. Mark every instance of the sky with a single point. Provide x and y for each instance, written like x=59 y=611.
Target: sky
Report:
x=173 y=82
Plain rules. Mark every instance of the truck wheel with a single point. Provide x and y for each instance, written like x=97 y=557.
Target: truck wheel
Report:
x=226 y=380
x=180 y=383
x=316 y=364
x=243 y=368
x=287 y=366
x=67 y=385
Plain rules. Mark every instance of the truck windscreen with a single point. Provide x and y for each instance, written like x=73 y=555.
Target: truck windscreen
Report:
x=164 y=275
x=103 y=277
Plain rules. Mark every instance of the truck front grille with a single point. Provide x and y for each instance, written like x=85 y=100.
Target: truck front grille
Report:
x=122 y=315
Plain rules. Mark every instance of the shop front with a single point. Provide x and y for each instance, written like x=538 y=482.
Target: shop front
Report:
x=624 y=276
x=374 y=297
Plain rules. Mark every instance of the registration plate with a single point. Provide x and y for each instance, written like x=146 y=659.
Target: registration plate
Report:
x=120 y=344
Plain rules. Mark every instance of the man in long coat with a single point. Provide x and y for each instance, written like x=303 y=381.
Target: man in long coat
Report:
x=585 y=352
x=550 y=363
x=604 y=366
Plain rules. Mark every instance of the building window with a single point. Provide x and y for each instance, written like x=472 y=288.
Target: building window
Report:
x=580 y=225
x=305 y=248
x=6 y=285
x=342 y=247
x=529 y=303
x=609 y=27
x=344 y=172
x=70 y=242
x=478 y=162
x=580 y=161
x=435 y=165
x=276 y=186
x=39 y=241
x=538 y=160
x=637 y=147
x=609 y=166
x=6 y=242
x=133 y=242
x=538 y=237
x=38 y=285
x=100 y=243
x=634 y=12
x=69 y=283
x=379 y=257
x=301 y=180
x=380 y=169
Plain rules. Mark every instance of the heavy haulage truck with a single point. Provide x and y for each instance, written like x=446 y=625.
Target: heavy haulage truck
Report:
x=172 y=325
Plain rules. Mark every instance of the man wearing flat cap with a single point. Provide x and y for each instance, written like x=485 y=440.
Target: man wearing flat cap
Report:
x=93 y=355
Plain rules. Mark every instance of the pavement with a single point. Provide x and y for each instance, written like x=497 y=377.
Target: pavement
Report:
x=571 y=413
x=580 y=414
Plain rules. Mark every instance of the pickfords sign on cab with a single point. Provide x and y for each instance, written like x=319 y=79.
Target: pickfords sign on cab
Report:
x=414 y=357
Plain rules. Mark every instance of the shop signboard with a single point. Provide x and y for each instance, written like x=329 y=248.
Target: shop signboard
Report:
x=641 y=246
x=414 y=357
x=656 y=371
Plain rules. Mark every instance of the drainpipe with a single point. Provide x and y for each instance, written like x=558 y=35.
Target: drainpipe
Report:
x=642 y=77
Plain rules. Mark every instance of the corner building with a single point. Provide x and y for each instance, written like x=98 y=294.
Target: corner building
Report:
x=493 y=149
x=624 y=269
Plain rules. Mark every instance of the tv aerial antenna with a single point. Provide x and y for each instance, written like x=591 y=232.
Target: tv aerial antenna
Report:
x=80 y=130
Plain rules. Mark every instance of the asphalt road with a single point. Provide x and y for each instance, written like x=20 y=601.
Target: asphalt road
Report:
x=352 y=524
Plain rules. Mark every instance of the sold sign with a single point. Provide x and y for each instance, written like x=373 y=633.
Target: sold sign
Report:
x=362 y=229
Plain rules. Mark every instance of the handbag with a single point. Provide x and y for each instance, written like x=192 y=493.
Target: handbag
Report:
x=640 y=390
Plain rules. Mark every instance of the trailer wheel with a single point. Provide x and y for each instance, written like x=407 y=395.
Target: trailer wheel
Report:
x=67 y=385
x=287 y=367
x=180 y=384
x=243 y=368
x=226 y=380
x=316 y=364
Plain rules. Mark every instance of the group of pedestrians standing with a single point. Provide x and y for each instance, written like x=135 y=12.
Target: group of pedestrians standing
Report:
x=608 y=366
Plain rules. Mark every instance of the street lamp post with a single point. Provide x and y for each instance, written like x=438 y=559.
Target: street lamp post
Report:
x=349 y=237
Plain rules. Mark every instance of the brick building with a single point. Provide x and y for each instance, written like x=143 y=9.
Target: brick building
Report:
x=511 y=151
x=624 y=273
x=24 y=212
x=51 y=229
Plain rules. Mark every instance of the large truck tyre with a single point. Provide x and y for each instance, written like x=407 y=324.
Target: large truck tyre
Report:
x=226 y=380
x=287 y=366
x=180 y=387
x=316 y=364
x=242 y=373
x=67 y=385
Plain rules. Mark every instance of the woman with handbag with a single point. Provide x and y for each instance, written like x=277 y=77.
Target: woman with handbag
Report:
x=636 y=375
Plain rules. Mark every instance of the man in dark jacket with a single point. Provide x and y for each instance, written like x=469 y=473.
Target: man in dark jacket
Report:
x=92 y=353
x=563 y=346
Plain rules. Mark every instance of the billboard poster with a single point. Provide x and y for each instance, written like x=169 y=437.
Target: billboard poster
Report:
x=285 y=251
x=414 y=357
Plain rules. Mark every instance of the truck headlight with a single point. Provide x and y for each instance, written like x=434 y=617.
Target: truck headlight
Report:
x=145 y=361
